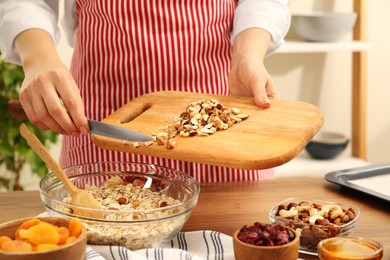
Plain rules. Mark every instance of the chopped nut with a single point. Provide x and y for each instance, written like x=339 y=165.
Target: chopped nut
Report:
x=331 y=207
x=149 y=143
x=135 y=203
x=313 y=219
x=122 y=200
x=288 y=213
x=138 y=182
x=242 y=116
x=171 y=144
x=335 y=214
x=235 y=111
x=202 y=118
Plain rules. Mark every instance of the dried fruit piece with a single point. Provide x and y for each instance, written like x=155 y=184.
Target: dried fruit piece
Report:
x=16 y=246
x=37 y=235
x=26 y=225
x=70 y=240
x=265 y=234
x=29 y=223
x=64 y=233
x=43 y=233
x=4 y=239
x=46 y=247
x=75 y=227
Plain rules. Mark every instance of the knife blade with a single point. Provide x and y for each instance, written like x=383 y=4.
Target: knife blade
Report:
x=16 y=110
x=117 y=132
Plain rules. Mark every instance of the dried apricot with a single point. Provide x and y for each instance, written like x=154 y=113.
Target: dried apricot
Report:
x=4 y=239
x=29 y=223
x=46 y=247
x=16 y=246
x=43 y=233
x=70 y=240
x=75 y=227
x=64 y=233
x=37 y=235
x=26 y=225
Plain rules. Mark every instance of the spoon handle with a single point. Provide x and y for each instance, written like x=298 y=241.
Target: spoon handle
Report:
x=42 y=152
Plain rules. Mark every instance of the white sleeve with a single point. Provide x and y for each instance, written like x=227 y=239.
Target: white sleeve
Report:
x=270 y=15
x=69 y=21
x=18 y=16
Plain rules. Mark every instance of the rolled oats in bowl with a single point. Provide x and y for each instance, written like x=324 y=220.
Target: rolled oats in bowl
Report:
x=132 y=215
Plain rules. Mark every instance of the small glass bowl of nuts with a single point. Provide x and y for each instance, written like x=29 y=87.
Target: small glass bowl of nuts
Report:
x=315 y=220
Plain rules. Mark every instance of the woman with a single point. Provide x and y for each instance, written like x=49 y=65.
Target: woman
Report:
x=124 y=49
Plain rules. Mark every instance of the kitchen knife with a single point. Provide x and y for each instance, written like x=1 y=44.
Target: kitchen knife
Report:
x=117 y=132
x=99 y=128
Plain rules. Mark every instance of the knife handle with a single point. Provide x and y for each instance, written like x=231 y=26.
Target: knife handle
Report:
x=16 y=110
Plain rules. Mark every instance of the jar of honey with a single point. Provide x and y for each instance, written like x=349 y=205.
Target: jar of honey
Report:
x=343 y=248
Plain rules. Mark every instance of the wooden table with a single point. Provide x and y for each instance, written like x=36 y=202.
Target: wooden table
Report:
x=225 y=207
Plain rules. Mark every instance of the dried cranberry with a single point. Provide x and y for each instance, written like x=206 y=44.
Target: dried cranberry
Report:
x=265 y=234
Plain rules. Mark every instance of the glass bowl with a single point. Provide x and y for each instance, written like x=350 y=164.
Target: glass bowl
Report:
x=315 y=220
x=350 y=248
x=123 y=219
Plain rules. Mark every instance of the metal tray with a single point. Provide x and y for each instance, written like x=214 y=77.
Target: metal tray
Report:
x=346 y=177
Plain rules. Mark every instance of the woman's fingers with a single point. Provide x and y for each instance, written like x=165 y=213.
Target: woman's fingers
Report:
x=250 y=78
x=74 y=106
x=51 y=100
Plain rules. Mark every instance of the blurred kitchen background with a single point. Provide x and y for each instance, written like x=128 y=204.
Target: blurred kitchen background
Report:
x=324 y=78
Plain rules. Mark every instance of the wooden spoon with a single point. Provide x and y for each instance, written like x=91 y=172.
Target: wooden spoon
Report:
x=79 y=197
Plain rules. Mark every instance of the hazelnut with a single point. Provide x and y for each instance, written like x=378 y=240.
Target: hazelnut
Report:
x=122 y=200
x=135 y=203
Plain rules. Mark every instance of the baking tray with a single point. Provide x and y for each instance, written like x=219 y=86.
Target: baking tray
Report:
x=346 y=178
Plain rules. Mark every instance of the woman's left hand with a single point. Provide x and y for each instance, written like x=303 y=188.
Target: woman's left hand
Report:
x=248 y=75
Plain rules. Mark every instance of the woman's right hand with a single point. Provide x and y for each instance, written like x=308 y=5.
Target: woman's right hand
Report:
x=49 y=95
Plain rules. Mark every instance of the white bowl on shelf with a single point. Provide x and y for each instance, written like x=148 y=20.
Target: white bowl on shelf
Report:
x=323 y=26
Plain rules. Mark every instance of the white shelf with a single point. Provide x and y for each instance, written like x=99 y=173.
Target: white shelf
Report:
x=305 y=166
x=295 y=46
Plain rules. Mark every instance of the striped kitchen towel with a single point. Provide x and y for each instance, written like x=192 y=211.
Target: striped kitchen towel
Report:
x=196 y=245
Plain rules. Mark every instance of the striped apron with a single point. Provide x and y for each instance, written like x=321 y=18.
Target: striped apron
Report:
x=128 y=48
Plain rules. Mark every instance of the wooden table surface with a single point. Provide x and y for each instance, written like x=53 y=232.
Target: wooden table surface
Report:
x=225 y=207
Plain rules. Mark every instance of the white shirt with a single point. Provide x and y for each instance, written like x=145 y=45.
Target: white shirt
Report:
x=20 y=15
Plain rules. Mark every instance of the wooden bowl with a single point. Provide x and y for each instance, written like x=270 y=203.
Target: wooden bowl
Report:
x=75 y=250
x=245 y=251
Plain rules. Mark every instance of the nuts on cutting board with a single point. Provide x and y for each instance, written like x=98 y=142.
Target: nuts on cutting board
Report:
x=201 y=118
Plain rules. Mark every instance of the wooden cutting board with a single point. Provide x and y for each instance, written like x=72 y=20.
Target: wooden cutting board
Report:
x=268 y=138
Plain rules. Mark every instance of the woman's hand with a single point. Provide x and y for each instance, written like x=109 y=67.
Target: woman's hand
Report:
x=248 y=75
x=49 y=95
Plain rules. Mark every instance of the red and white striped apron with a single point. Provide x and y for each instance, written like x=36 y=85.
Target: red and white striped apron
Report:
x=127 y=48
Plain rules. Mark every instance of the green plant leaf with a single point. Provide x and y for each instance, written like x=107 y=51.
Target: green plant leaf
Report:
x=14 y=149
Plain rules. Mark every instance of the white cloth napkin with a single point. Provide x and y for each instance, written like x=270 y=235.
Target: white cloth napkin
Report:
x=196 y=245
